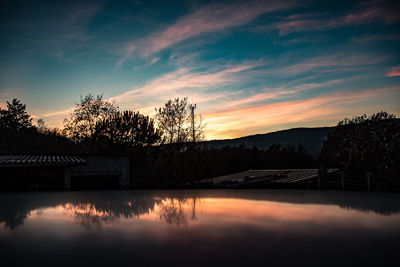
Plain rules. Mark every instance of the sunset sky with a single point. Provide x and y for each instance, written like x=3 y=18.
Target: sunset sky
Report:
x=251 y=66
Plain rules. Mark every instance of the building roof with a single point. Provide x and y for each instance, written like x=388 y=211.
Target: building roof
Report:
x=39 y=160
x=273 y=176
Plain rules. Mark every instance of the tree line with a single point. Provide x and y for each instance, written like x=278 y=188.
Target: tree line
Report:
x=167 y=150
x=97 y=124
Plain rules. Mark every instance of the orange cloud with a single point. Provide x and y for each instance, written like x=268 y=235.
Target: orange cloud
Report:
x=239 y=121
x=395 y=71
x=172 y=83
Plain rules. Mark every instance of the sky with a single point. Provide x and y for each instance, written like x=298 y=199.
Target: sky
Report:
x=250 y=66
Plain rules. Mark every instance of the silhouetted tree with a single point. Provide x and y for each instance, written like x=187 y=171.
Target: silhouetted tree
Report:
x=196 y=125
x=374 y=139
x=80 y=125
x=181 y=127
x=127 y=130
x=358 y=120
x=15 y=116
x=18 y=135
x=173 y=120
x=41 y=126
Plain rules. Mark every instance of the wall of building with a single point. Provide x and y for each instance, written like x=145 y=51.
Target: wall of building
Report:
x=103 y=165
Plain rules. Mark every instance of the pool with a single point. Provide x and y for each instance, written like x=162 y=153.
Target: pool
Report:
x=199 y=228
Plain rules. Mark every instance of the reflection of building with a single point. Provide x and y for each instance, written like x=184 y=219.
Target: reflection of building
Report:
x=30 y=172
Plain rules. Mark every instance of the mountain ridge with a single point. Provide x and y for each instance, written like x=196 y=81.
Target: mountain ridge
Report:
x=311 y=137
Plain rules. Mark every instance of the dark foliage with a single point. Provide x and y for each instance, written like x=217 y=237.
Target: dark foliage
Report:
x=15 y=116
x=162 y=168
x=80 y=125
x=28 y=141
x=311 y=138
x=18 y=135
x=365 y=144
x=125 y=132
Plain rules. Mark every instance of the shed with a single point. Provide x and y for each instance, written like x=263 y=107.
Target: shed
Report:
x=83 y=172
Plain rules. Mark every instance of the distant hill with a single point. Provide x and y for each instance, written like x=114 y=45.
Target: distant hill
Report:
x=311 y=138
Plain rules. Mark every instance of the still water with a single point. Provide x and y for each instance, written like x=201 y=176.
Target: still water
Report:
x=199 y=228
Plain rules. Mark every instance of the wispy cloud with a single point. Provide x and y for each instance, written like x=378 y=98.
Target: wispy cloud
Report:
x=82 y=14
x=374 y=10
x=186 y=78
x=280 y=93
x=240 y=121
x=213 y=17
x=332 y=62
x=367 y=12
x=375 y=37
x=395 y=71
x=186 y=82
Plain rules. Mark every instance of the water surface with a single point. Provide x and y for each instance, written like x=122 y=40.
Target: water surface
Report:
x=188 y=228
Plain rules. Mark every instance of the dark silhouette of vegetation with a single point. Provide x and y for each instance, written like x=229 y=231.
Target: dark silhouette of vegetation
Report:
x=125 y=131
x=172 y=120
x=182 y=129
x=93 y=209
x=311 y=138
x=15 y=116
x=164 y=171
x=80 y=126
x=19 y=135
x=364 y=144
x=179 y=123
x=167 y=152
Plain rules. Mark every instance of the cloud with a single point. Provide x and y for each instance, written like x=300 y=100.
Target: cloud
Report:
x=213 y=17
x=337 y=61
x=79 y=14
x=280 y=93
x=58 y=113
x=184 y=78
x=395 y=71
x=371 y=11
x=240 y=121
x=287 y=27
x=184 y=82
x=367 y=12
x=376 y=37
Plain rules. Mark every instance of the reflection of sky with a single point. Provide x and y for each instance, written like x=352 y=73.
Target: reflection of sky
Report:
x=211 y=213
x=212 y=230
x=288 y=63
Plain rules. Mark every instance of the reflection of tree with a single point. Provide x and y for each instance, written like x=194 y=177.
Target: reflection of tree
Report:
x=88 y=208
x=97 y=209
x=175 y=211
x=15 y=220
x=194 y=209
x=171 y=211
x=88 y=215
x=104 y=211
x=177 y=208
